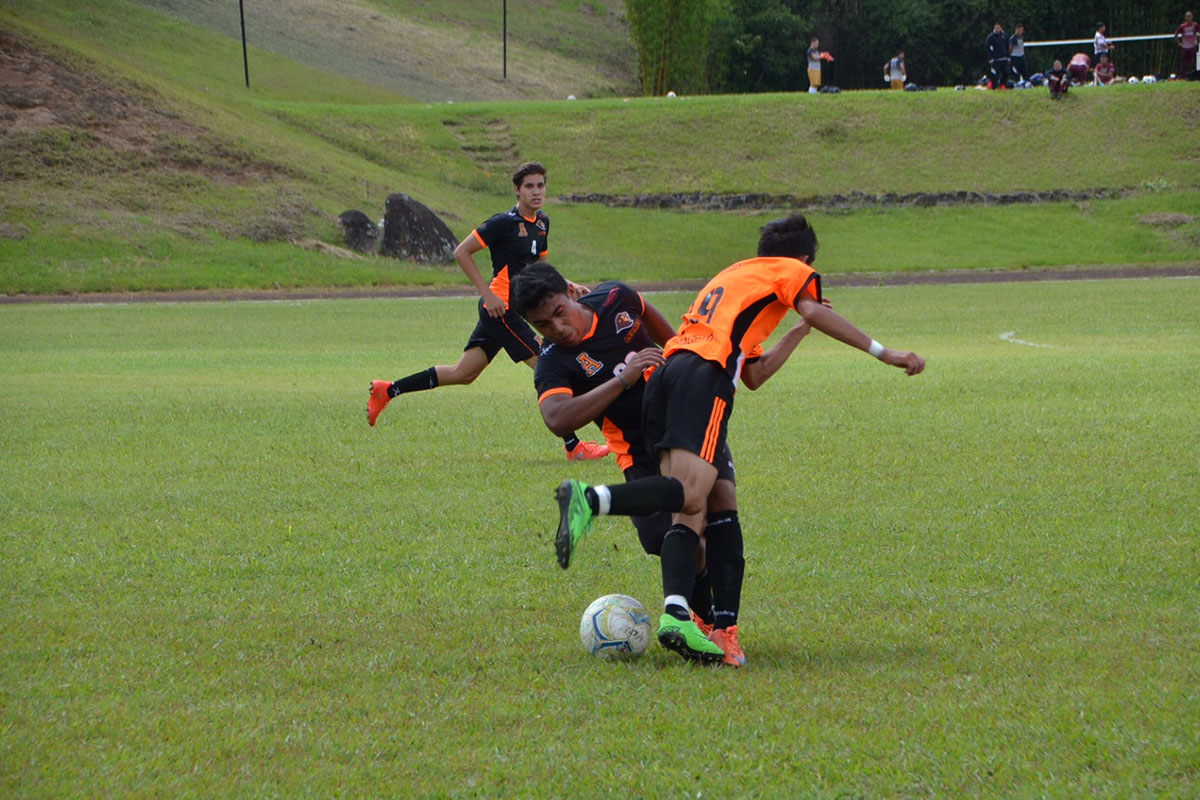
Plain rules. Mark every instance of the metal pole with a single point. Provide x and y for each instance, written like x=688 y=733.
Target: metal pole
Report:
x=245 y=60
x=504 y=36
x=1111 y=39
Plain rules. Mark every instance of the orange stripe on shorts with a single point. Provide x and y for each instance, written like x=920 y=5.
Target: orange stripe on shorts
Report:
x=713 y=432
x=532 y=352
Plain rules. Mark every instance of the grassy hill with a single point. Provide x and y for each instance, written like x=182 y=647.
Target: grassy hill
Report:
x=133 y=156
x=439 y=50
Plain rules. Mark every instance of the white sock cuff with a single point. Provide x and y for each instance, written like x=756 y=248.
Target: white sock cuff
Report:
x=675 y=600
x=603 y=499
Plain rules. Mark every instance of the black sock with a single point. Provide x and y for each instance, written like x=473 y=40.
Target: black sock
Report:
x=593 y=502
x=645 y=496
x=701 y=599
x=726 y=565
x=570 y=442
x=679 y=561
x=678 y=612
x=417 y=382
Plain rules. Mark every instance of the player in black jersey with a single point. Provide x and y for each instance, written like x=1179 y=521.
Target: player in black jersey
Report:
x=516 y=238
x=599 y=347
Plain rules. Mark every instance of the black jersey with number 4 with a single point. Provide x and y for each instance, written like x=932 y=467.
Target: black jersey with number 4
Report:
x=617 y=334
x=514 y=242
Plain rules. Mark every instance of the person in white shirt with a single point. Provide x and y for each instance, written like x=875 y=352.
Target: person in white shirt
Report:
x=1102 y=45
x=894 y=70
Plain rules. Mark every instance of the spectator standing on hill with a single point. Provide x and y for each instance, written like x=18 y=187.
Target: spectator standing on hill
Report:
x=1188 y=37
x=1101 y=44
x=896 y=73
x=1105 y=72
x=516 y=238
x=1078 y=68
x=1058 y=80
x=1016 y=53
x=815 y=57
x=997 y=53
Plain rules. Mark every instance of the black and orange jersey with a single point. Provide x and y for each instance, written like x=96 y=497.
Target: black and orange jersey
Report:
x=515 y=242
x=740 y=307
x=617 y=333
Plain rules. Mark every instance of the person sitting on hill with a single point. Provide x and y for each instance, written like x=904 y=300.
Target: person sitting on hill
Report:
x=1106 y=71
x=1058 y=80
x=1078 y=68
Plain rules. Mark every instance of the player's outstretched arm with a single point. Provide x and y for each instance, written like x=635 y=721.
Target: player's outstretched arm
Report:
x=834 y=325
x=464 y=255
x=755 y=373
x=564 y=414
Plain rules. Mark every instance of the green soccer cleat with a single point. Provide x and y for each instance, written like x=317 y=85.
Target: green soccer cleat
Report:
x=685 y=638
x=575 y=518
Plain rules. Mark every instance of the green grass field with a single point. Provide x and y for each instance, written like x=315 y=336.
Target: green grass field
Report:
x=218 y=581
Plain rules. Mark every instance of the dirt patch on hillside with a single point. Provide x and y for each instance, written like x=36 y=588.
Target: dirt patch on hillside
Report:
x=55 y=117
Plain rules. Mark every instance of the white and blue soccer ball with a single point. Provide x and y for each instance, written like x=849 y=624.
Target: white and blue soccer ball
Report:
x=615 y=626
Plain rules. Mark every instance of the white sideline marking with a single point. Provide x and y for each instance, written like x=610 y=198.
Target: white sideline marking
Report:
x=1010 y=337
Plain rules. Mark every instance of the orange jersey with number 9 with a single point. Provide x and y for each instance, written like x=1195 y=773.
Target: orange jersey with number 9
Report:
x=740 y=307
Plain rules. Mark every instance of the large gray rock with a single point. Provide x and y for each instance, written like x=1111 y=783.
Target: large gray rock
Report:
x=412 y=231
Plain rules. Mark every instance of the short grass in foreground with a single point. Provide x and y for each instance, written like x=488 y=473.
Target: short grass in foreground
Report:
x=219 y=581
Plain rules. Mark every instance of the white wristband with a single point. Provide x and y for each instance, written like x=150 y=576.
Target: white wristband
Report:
x=876 y=349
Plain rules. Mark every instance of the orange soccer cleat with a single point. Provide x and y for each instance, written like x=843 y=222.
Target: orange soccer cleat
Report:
x=727 y=640
x=586 y=450
x=704 y=627
x=377 y=401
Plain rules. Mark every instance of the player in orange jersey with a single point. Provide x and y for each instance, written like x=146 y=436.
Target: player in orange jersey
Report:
x=688 y=402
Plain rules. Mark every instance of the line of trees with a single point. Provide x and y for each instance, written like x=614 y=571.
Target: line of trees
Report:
x=718 y=46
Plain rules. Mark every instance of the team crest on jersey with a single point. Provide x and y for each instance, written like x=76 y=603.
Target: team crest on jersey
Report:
x=521 y=230
x=590 y=365
x=541 y=223
x=624 y=321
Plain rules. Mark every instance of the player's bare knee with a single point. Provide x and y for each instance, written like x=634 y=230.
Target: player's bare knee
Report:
x=694 y=505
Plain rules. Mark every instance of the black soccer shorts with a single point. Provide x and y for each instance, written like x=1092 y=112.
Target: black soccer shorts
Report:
x=687 y=406
x=509 y=332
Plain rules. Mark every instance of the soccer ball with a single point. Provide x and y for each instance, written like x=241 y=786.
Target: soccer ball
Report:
x=615 y=626
x=1133 y=80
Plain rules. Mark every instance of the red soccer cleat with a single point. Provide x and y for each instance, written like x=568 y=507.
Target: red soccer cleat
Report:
x=727 y=640
x=585 y=450
x=377 y=401
x=704 y=627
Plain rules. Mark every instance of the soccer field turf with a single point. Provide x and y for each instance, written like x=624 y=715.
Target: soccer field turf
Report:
x=218 y=581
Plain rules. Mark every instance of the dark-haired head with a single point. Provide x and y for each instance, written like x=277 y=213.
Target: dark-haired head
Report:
x=527 y=169
x=535 y=283
x=788 y=237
